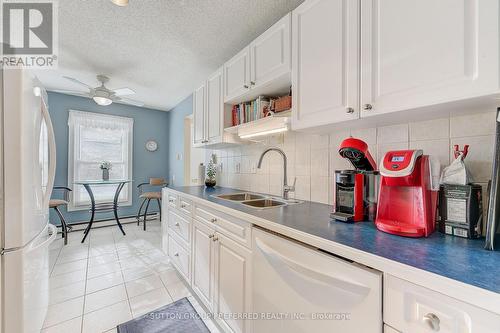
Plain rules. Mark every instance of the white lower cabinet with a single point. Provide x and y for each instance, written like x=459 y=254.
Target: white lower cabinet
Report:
x=410 y=308
x=233 y=285
x=180 y=256
x=203 y=262
x=238 y=270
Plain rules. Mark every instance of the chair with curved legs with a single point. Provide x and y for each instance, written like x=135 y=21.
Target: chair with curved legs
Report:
x=55 y=204
x=148 y=196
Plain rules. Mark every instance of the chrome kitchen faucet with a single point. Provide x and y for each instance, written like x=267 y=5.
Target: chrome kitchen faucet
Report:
x=286 y=188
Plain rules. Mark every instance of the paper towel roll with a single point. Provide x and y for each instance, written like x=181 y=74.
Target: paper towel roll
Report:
x=201 y=173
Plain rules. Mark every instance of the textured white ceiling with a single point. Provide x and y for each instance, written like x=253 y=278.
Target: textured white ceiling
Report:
x=161 y=49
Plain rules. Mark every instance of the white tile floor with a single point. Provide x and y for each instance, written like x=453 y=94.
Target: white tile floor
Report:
x=110 y=279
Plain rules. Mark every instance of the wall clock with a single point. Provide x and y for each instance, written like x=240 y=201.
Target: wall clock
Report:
x=151 y=145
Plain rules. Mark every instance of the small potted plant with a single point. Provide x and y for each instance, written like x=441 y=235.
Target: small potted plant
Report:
x=211 y=172
x=105 y=167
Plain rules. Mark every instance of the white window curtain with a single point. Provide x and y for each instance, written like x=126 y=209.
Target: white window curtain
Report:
x=93 y=139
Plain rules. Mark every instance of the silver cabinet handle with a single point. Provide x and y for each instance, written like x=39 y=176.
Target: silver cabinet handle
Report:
x=171 y=200
x=204 y=141
x=176 y=224
x=176 y=254
x=349 y=110
x=213 y=220
x=215 y=239
x=211 y=236
x=246 y=86
x=433 y=321
x=252 y=83
x=183 y=206
x=367 y=107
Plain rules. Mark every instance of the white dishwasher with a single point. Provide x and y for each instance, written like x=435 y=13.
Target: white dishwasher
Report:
x=296 y=288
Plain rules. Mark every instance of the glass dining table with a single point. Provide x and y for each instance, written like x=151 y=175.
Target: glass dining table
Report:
x=102 y=207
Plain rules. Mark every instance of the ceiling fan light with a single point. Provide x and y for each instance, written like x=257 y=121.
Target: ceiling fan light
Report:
x=103 y=101
x=121 y=3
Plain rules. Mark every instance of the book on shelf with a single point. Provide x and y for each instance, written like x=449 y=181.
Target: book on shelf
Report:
x=250 y=111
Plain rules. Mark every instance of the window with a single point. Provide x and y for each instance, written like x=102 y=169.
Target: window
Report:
x=93 y=139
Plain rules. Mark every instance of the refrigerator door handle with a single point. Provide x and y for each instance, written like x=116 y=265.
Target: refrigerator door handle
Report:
x=52 y=153
x=53 y=234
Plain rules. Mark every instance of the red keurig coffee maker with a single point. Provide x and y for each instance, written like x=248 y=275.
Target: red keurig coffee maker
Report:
x=407 y=203
x=356 y=190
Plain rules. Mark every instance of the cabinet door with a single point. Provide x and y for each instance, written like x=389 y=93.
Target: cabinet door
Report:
x=203 y=263
x=199 y=115
x=215 y=107
x=416 y=53
x=270 y=53
x=233 y=264
x=325 y=49
x=237 y=75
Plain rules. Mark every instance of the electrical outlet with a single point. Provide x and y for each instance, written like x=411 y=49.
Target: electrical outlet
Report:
x=237 y=167
x=179 y=156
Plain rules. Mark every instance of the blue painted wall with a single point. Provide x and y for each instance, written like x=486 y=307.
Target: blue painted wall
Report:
x=148 y=124
x=176 y=118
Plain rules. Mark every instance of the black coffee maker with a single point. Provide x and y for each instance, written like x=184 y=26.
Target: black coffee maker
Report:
x=356 y=190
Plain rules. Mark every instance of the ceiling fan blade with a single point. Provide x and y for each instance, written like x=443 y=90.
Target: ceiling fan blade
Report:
x=129 y=101
x=77 y=82
x=123 y=92
x=71 y=92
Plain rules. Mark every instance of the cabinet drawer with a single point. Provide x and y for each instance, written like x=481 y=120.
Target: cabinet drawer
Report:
x=172 y=200
x=185 y=206
x=237 y=229
x=411 y=308
x=179 y=225
x=179 y=256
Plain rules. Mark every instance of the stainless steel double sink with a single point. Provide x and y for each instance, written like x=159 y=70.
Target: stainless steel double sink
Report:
x=257 y=201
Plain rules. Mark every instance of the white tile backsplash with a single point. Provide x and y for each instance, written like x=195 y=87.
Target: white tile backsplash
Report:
x=392 y=134
x=473 y=125
x=368 y=135
x=438 y=148
x=314 y=158
x=430 y=129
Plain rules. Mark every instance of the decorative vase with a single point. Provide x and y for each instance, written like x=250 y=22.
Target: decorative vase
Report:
x=210 y=182
x=105 y=174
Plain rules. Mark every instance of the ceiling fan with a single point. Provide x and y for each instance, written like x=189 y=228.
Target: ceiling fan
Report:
x=102 y=95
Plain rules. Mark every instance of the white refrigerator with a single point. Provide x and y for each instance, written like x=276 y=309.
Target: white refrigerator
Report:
x=27 y=177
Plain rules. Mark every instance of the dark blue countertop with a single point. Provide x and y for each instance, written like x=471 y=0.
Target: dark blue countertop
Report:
x=456 y=258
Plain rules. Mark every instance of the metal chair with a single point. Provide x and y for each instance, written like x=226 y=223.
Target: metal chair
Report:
x=56 y=203
x=148 y=196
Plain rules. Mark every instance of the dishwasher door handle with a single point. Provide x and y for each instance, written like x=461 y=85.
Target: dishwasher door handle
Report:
x=308 y=275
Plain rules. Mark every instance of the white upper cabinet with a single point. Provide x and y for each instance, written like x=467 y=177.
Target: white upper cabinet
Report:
x=199 y=115
x=325 y=51
x=208 y=111
x=262 y=68
x=237 y=75
x=270 y=53
x=416 y=53
x=215 y=107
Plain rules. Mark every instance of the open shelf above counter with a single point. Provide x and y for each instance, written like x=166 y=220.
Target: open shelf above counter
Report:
x=275 y=123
